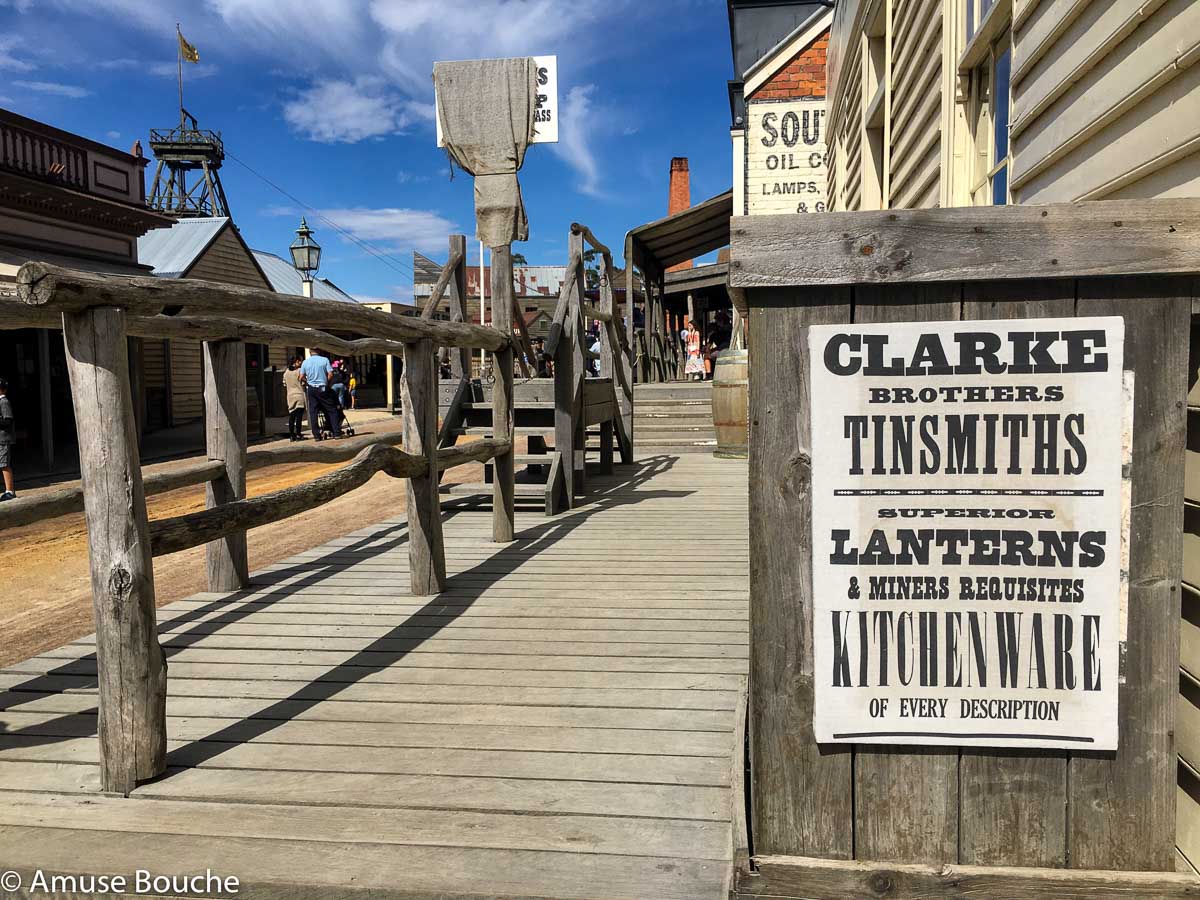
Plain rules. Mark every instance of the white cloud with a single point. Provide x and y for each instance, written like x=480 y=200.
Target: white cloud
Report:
x=53 y=87
x=347 y=112
x=113 y=135
x=405 y=177
x=576 y=131
x=403 y=229
x=190 y=71
x=8 y=60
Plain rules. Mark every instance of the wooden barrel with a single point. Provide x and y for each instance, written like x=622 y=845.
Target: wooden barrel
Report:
x=731 y=404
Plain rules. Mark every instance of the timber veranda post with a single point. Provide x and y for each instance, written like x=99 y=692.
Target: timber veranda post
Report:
x=131 y=669
x=579 y=370
x=226 y=559
x=418 y=394
x=504 y=465
x=609 y=360
x=564 y=381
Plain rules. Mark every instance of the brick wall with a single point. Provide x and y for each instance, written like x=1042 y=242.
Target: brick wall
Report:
x=803 y=76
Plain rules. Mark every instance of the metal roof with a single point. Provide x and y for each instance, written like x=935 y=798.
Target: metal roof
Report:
x=690 y=233
x=171 y=251
x=284 y=278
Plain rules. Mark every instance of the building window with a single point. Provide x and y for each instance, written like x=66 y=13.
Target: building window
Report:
x=977 y=10
x=989 y=124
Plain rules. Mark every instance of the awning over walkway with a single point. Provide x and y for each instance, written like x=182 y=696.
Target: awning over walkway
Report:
x=700 y=229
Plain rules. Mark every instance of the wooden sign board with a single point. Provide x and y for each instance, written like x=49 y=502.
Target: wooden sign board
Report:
x=786 y=169
x=545 y=103
x=967 y=532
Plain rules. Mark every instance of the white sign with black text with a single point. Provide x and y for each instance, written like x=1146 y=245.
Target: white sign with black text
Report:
x=545 y=103
x=967 y=532
x=786 y=170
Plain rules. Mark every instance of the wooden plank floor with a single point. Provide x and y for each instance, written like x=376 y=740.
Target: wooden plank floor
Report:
x=559 y=723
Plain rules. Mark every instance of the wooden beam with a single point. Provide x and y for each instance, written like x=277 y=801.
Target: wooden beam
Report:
x=827 y=879
x=578 y=350
x=426 y=554
x=577 y=228
x=324 y=452
x=974 y=243
x=473 y=452
x=226 y=560
x=183 y=532
x=503 y=466
x=67 y=290
x=558 y=323
x=132 y=672
x=444 y=278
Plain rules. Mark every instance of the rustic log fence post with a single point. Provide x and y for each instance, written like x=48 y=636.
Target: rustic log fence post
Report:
x=418 y=395
x=225 y=437
x=504 y=465
x=131 y=670
x=563 y=475
x=579 y=367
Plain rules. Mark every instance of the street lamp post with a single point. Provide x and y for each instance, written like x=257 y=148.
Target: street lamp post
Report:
x=306 y=256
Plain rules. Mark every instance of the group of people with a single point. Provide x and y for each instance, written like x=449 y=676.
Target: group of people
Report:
x=701 y=353
x=319 y=388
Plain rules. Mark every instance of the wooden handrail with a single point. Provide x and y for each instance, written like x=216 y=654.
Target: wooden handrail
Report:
x=60 y=289
x=439 y=287
x=554 y=335
x=579 y=228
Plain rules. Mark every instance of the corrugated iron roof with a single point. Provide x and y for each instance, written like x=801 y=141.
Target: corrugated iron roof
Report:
x=172 y=251
x=286 y=280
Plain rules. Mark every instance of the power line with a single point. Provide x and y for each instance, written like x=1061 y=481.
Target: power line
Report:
x=394 y=262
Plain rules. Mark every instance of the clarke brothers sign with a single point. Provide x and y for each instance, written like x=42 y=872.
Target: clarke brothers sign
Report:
x=785 y=157
x=967 y=532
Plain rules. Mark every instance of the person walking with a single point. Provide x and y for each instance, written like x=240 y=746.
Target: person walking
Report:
x=695 y=360
x=8 y=437
x=295 y=400
x=315 y=373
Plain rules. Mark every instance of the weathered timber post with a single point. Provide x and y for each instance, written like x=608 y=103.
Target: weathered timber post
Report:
x=579 y=370
x=225 y=438
x=132 y=672
x=615 y=364
x=503 y=466
x=564 y=423
x=460 y=362
x=418 y=395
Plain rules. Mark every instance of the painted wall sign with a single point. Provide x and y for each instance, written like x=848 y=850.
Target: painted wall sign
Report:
x=967 y=532
x=545 y=103
x=786 y=169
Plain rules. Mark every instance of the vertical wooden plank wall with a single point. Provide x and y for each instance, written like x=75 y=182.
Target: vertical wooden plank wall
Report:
x=802 y=801
x=981 y=807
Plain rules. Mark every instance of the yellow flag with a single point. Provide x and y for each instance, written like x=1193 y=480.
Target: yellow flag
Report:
x=187 y=51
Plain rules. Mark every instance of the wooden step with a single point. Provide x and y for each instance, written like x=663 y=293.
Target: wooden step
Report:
x=521 y=490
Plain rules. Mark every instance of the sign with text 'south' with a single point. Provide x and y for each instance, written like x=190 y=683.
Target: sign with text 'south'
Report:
x=545 y=103
x=967 y=532
x=786 y=169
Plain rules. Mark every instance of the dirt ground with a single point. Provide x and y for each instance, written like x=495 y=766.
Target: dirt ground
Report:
x=45 y=593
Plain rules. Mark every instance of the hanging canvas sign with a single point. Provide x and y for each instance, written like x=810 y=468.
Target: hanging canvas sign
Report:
x=544 y=103
x=967 y=532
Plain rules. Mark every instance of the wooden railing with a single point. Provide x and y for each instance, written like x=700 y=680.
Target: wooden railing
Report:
x=38 y=156
x=566 y=344
x=96 y=314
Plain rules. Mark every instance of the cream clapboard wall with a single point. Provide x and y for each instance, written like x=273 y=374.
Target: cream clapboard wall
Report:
x=915 y=108
x=1106 y=105
x=226 y=260
x=1105 y=99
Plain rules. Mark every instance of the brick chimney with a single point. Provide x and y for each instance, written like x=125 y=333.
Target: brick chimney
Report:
x=680 y=196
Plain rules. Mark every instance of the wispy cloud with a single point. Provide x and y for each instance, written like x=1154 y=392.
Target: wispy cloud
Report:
x=390 y=228
x=113 y=135
x=190 y=71
x=8 y=60
x=576 y=132
x=53 y=87
x=351 y=111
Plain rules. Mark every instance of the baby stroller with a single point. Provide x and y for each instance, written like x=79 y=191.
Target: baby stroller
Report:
x=326 y=429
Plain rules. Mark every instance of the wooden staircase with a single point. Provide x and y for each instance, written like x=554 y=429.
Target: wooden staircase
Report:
x=675 y=417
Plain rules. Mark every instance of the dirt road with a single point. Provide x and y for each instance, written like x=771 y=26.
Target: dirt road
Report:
x=45 y=594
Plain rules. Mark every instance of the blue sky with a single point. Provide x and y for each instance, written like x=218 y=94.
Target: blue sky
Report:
x=332 y=100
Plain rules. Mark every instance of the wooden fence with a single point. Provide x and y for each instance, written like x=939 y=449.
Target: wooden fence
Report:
x=96 y=313
x=890 y=821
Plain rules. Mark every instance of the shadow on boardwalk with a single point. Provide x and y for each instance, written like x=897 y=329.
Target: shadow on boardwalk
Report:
x=468 y=586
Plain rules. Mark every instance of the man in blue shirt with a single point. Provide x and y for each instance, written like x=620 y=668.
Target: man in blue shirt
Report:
x=314 y=375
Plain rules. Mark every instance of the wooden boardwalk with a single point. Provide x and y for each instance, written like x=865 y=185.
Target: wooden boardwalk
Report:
x=559 y=723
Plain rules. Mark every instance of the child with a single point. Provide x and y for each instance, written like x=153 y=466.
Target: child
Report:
x=695 y=361
x=8 y=437
x=353 y=391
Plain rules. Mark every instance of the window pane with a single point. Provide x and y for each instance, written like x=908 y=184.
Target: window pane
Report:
x=1000 y=187
x=1000 y=103
x=970 y=19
